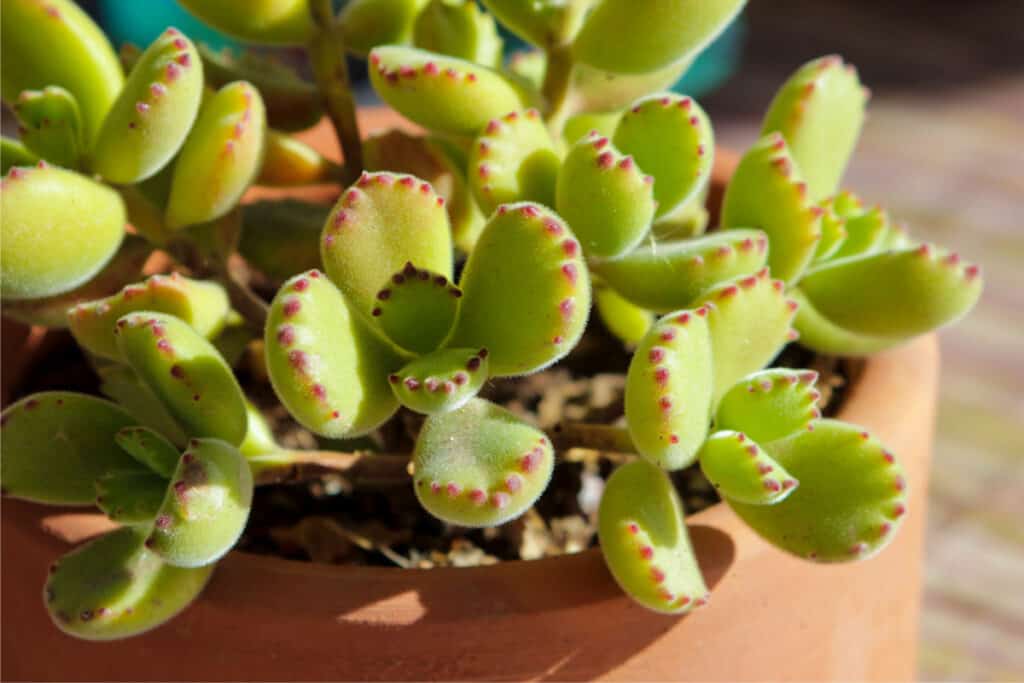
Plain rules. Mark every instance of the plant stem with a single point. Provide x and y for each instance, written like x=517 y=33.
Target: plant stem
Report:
x=327 y=55
x=295 y=466
x=556 y=87
x=248 y=304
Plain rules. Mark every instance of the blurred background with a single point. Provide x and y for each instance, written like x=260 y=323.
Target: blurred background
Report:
x=943 y=150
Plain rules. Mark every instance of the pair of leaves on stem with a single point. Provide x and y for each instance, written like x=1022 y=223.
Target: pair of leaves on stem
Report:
x=181 y=513
x=523 y=296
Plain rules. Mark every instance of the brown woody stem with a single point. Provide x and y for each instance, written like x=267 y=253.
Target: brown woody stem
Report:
x=327 y=55
x=291 y=467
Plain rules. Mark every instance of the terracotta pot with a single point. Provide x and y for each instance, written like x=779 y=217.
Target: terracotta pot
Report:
x=771 y=616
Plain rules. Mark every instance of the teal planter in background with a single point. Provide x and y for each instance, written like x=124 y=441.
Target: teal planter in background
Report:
x=141 y=21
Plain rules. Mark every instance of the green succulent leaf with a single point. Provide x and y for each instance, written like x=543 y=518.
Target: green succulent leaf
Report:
x=57 y=443
x=850 y=502
x=820 y=111
x=120 y=383
x=271 y=22
x=220 y=158
x=689 y=219
x=441 y=381
x=203 y=305
x=185 y=372
x=645 y=542
x=56 y=43
x=458 y=28
x=526 y=291
x=513 y=159
x=15 y=153
x=149 y=448
x=866 y=233
x=152 y=115
x=289 y=162
x=416 y=308
x=621 y=37
x=671 y=138
x=824 y=336
x=833 y=231
x=259 y=439
x=381 y=223
x=441 y=93
x=900 y=293
x=595 y=90
x=429 y=158
x=625 y=320
x=368 y=23
x=58 y=229
x=205 y=507
x=327 y=367
x=282 y=237
x=292 y=103
x=51 y=126
x=532 y=21
x=770 y=404
x=749 y=321
x=667 y=276
x=605 y=197
x=52 y=311
x=113 y=587
x=130 y=497
x=581 y=125
x=668 y=389
x=480 y=465
x=767 y=191
x=741 y=471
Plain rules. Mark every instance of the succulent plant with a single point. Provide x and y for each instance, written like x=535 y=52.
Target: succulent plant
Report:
x=449 y=259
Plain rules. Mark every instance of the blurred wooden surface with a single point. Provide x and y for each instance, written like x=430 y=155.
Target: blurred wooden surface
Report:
x=943 y=150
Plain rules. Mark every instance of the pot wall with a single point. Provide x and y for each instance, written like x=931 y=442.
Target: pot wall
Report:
x=771 y=616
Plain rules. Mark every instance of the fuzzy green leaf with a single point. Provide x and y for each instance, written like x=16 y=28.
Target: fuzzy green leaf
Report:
x=185 y=372
x=366 y=24
x=866 y=232
x=130 y=497
x=622 y=37
x=671 y=138
x=820 y=110
x=833 y=231
x=56 y=43
x=458 y=28
x=327 y=368
x=824 y=336
x=292 y=103
x=153 y=114
x=149 y=448
x=51 y=126
x=668 y=389
x=203 y=305
x=416 y=308
x=851 y=499
x=57 y=443
x=120 y=383
x=220 y=158
x=532 y=21
x=271 y=22
x=526 y=291
x=605 y=197
x=672 y=275
x=58 y=230
x=206 y=505
x=645 y=542
x=441 y=93
x=480 y=465
x=113 y=588
x=15 y=153
x=770 y=404
x=741 y=471
x=595 y=90
x=767 y=192
x=429 y=158
x=749 y=321
x=900 y=293
x=381 y=223
x=625 y=320
x=513 y=159
x=289 y=162
x=441 y=381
